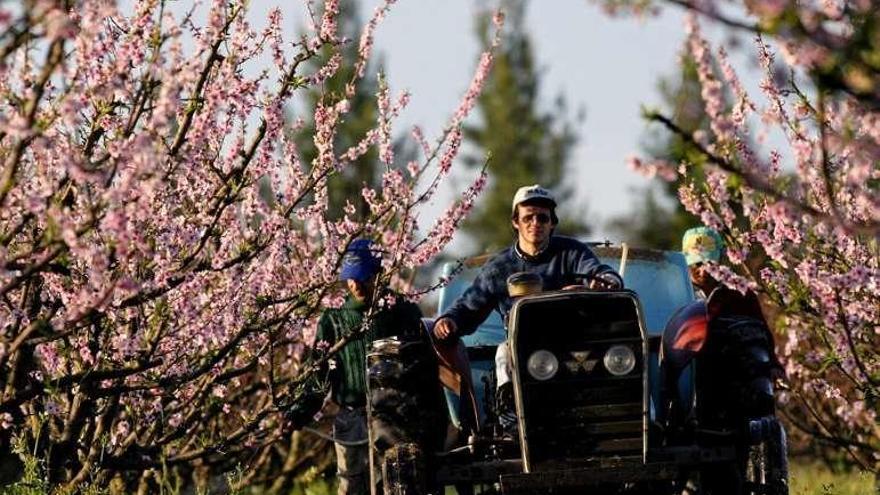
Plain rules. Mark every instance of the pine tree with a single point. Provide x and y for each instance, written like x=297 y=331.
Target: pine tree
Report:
x=527 y=145
x=348 y=184
x=658 y=220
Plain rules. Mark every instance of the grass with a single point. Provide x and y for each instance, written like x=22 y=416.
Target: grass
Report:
x=806 y=478
x=810 y=478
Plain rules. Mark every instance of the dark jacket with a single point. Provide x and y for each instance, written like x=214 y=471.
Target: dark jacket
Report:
x=557 y=265
x=726 y=303
x=347 y=379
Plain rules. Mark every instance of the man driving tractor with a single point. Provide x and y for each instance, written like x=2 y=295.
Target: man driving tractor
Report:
x=537 y=257
x=560 y=262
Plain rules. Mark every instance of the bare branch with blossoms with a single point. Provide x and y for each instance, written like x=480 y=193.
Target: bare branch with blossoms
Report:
x=754 y=181
x=164 y=252
x=832 y=40
x=801 y=222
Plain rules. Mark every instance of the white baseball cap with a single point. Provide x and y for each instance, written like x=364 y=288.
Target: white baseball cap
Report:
x=528 y=193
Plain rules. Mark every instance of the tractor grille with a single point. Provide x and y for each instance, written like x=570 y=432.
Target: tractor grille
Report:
x=583 y=411
x=576 y=419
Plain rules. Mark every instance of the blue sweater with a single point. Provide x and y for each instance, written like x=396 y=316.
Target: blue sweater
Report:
x=557 y=265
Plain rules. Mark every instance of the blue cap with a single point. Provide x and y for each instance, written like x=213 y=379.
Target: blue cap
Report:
x=360 y=262
x=702 y=244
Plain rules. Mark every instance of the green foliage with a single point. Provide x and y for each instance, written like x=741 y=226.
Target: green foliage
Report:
x=315 y=485
x=810 y=478
x=234 y=481
x=527 y=144
x=348 y=183
x=33 y=479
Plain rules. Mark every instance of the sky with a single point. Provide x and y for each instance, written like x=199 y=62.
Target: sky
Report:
x=609 y=67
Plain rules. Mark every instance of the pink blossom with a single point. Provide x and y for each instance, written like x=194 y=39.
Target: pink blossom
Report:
x=805 y=54
x=832 y=8
x=386 y=152
x=120 y=432
x=5 y=421
x=53 y=408
x=58 y=25
x=177 y=239
x=660 y=168
x=712 y=93
x=420 y=139
x=327 y=71
x=767 y=8
x=273 y=33
x=498 y=19
x=329 y=21
x=365 y=47
x=743 y=104
x=413 y=168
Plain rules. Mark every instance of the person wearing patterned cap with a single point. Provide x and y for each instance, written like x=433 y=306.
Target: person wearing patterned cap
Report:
x=701 y=245
x=556 y=259
x=727 y=329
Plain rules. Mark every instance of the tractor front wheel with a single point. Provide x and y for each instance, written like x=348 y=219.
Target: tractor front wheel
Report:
x=404 y=471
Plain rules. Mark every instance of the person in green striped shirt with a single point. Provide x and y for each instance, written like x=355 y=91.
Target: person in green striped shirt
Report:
x=346 y=372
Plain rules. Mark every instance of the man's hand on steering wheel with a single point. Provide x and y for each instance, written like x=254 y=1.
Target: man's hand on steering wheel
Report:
x=444 y=328
x=606 y=281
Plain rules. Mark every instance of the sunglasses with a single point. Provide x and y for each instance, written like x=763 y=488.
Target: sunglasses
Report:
x=540 y=218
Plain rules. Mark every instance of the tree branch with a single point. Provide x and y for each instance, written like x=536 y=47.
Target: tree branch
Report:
x=760 y=185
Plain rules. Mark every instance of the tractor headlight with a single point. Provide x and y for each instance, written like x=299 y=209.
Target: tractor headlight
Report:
x=542 y=365
x=619 y=360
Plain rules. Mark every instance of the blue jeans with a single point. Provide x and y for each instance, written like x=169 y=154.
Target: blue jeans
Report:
x=352 y=460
